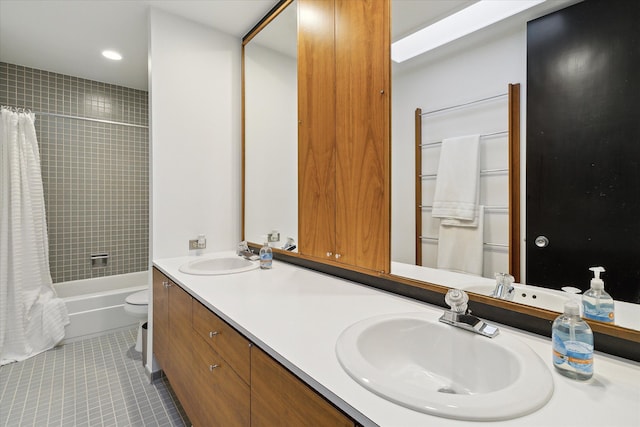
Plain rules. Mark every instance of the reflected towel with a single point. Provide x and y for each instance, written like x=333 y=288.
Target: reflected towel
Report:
x=460 y=249
x=457 y=184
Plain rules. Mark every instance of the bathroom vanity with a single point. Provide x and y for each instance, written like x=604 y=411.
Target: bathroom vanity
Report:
x=259 y=348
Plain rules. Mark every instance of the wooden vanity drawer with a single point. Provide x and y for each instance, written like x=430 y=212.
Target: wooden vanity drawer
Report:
x=224 y=399
x=223 y=339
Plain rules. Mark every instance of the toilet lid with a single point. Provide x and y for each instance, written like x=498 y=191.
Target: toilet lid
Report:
x=138 y=298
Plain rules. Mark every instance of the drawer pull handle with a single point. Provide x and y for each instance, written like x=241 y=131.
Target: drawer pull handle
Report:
x=166 y=283
x=212 y=367
x=213 y=333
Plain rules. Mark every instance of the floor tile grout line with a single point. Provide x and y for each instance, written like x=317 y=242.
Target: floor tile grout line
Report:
x=105 y=373
x=116 y=373
x=85 y=376
x=135 y=397
x=51 y=388
x=24 y=405
x=105 y=366
x=5 y=392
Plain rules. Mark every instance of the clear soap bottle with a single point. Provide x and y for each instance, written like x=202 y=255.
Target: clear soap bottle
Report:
x=597 y=304
x=572 y=342
x=266 y=256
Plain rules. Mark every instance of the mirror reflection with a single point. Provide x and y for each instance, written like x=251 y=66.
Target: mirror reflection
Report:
x=475 y=67
x=270 y=114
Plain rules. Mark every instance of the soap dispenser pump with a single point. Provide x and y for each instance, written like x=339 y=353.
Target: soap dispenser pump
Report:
x=597 y=304
x=572 y=342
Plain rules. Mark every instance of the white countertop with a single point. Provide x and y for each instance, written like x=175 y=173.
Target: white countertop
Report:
x=296 y=315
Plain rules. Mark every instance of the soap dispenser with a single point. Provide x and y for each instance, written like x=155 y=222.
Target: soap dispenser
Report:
x=596 y=303
x=572 y=342
x=266 y=255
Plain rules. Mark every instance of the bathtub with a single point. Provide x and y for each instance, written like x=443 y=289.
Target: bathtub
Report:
x=96 y=306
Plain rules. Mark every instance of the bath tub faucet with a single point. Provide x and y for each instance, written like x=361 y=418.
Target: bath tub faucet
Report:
x=460 y=317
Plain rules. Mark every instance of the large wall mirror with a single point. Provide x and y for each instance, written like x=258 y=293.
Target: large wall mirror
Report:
x=476 y=67
x=271 y=131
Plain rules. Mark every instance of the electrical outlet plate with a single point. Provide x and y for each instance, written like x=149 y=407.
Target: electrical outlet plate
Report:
x=273 y=237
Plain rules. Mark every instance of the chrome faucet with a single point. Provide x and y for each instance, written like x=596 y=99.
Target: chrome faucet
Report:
x=504 y=287
x=245 y=252
x=459 y=315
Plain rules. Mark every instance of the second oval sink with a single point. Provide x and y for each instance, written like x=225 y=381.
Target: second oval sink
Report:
x=442 y=370
x=529 y=295
x=216 y=266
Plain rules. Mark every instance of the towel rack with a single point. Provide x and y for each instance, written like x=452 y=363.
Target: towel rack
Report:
x=486 y=208
x=484 y=136
x=488 y=244
x=466 y=104
x=483 y=172
x=513 y=170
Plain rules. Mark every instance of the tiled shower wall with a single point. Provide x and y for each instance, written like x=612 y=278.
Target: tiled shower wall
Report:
x=96 y=175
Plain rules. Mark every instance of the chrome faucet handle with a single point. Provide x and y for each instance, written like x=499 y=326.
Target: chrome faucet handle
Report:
x=242 y=247
x=457 y=299
x=459 y=316
x=504 y=286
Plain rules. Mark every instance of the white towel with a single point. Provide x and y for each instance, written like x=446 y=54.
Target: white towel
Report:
x=460 y=248
x=457 y=191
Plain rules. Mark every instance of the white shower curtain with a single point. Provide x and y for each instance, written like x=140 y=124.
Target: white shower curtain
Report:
x=32 y=318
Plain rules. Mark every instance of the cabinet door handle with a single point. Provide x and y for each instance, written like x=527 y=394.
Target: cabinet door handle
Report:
x=166 y=283
x=329 y=253
x=212 y=367
x=338 y=256
x=213 y=333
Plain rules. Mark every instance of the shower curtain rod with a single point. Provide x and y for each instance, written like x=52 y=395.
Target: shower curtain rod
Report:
x=66 y=116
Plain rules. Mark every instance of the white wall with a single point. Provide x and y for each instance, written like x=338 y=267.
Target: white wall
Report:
x=474 y=68
x=195 y=133
x=271 y=144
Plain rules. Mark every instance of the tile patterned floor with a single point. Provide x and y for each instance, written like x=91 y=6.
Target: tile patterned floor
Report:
x=95 y=382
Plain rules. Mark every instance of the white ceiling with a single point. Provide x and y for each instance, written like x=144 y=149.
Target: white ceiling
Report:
x=67 y=36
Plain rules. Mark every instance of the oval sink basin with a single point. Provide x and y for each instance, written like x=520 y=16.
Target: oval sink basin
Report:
x=442 y=370
x=215 y=266
x=527 y=295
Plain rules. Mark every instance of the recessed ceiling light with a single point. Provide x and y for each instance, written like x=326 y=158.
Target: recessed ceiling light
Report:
x=473 y=18
x=112 y=54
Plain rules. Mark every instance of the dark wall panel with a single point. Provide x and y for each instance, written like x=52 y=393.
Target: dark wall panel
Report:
x=583 y=146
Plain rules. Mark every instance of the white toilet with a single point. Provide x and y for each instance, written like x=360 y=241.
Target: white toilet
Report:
x=137 y=305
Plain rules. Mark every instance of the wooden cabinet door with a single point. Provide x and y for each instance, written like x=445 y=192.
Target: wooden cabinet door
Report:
x=316 y=128
x=180 y=346
x=362 y=133
x=279 y=398
x=221 y=397
x=344 y=131
x=160 y=317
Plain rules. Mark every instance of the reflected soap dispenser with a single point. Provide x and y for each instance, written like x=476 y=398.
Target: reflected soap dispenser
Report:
x=597 y=304
x=572 y=342
x=266 y=255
